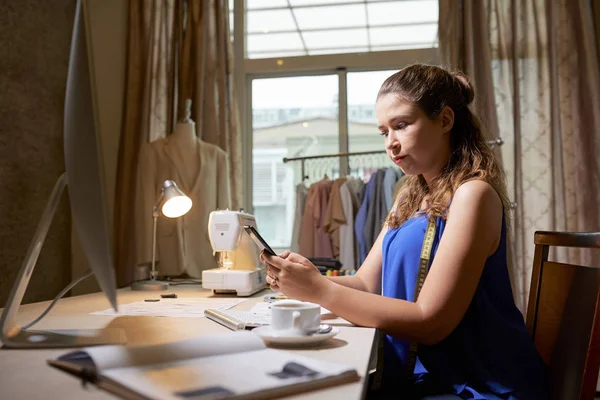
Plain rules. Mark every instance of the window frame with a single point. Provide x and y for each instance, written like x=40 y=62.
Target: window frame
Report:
x=246 y=70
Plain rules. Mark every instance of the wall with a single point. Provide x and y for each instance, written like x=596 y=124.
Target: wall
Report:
x=35 y=37
x=596 y=17
x=34 y=52
x=107 y=40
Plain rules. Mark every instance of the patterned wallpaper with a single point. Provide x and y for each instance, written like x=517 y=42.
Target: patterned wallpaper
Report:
x=34 y=48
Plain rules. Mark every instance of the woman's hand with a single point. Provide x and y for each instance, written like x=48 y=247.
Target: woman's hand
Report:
x=295 y=276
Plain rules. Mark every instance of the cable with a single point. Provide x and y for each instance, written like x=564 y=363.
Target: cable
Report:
x=58 y=297
x=87 y=275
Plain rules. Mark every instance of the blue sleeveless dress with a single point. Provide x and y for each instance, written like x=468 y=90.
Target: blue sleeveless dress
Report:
x=489 y=355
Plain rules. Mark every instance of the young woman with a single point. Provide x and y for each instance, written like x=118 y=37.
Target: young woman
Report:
x=468 y=337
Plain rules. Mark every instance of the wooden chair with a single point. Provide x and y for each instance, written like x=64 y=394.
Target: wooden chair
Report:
x=563 y=315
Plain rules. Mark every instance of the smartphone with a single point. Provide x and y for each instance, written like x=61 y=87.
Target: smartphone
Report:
x=260 y=242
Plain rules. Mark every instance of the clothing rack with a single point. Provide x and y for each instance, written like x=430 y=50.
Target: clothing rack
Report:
x=303 y=159
x=492 y=143
x=495 y=142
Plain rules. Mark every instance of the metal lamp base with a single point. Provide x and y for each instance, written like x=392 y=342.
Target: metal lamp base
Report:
x=12 y=335
x=65 y=338
x=150 y=286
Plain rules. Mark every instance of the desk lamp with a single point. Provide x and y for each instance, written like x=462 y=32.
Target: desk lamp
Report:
x=172 y=203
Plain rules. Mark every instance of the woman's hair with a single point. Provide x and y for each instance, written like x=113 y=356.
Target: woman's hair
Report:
x=432 y=88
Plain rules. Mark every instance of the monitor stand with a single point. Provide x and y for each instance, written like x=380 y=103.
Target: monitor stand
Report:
x=11 y=334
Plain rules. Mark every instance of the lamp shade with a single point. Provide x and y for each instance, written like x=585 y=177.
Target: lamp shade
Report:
x=175 y=203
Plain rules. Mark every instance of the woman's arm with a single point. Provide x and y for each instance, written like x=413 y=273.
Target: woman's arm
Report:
x=368 y=276
x=471 y=235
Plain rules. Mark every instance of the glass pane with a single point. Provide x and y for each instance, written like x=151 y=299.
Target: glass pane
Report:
x=291 y=117
x=340 y=26
x=339 y=50
x=335 y=39
x=274 y=42
x=295 y=3
x=362 y=120
x=425 y=35
x=404 y=46
x=403 y=12
x=231 y=19
x=257 y=4
x=277 y=54
x=269 y=21
x=331 y=17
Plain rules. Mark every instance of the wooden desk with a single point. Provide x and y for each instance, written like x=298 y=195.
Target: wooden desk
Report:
x=24 y=374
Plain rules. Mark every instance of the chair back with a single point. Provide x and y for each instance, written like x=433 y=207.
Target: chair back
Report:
x=563 y=315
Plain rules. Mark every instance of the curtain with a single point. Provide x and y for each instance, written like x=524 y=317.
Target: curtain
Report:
x=463 y=37
x=464 y=46
x=206 y=77
x=596 y=11
x=177 y=50
x=145 y=114
x=546 y=89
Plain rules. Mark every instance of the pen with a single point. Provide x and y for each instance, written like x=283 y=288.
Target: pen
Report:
x=267 y=298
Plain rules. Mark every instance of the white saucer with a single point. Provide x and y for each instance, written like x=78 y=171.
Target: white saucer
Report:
x=268 y=335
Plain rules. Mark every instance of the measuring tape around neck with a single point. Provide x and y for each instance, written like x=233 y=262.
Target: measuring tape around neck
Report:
x=422 y=273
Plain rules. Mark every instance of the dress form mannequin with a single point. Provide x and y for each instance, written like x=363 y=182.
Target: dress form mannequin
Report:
x=200 y=169
x=185 y=142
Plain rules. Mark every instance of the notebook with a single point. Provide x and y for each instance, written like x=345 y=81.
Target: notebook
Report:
x=238 y=319
x=235 y=365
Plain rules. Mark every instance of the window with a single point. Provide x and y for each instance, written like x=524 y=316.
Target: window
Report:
x=302 y=120
x=281 y=28
x=300 y=66
x=231 y=5
x=362 y=93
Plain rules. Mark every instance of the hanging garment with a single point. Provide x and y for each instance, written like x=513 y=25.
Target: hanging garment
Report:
x=322 y=242
x=360 y=194
x=349 y=193
x=306 y=241
x=182 y=244
x=398 y=186
x=390 y=178
x=301 y=193
x=376 y=211
x=360 y=221
x=334 y=216
x=313 y=240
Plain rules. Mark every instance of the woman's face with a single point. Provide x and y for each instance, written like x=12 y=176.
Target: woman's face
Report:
x=417 y=144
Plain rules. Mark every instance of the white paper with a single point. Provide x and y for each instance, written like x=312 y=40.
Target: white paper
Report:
x=182 y=308
x=261 y=308
x=117 y=356
x=240 y=373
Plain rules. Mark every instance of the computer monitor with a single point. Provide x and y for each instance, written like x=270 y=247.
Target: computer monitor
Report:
x=84 y=178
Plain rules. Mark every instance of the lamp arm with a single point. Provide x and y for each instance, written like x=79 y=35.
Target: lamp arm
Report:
x=155 y=215
x=155 y=209
x=153 y=272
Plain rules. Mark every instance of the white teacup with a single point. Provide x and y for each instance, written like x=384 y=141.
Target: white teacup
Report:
x=293 y=317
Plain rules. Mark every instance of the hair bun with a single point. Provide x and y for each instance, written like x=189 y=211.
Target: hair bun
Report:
x=466 y=87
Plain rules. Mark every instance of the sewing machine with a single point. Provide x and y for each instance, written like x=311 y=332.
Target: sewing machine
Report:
x=240 y=270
